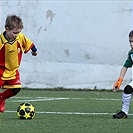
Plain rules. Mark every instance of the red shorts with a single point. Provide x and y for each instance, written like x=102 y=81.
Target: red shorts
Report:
x=11 y=84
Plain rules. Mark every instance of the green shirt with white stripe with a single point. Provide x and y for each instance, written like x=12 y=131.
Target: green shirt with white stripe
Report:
x=129 y=62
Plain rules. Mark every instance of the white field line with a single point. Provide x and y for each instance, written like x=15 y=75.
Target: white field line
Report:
x=105 y=99
x=68 y=113
x=67 y=98
x=39 y=99
x=43 y=99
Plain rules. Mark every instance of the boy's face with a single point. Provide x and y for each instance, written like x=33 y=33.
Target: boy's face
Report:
x=131 y=42
x=12 y=34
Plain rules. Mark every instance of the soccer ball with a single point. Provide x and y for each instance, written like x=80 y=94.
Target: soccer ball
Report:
x=26 y=111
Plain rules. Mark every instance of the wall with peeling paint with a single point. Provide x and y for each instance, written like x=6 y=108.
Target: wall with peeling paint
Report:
x=80 y=44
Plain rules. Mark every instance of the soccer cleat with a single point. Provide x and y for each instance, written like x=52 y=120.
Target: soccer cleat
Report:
x=120 y=115
x=2 y=105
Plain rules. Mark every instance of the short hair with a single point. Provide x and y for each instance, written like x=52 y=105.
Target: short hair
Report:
x=13 y=21
x=131 y=34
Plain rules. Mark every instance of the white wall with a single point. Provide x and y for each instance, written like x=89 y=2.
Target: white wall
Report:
x=80 y=44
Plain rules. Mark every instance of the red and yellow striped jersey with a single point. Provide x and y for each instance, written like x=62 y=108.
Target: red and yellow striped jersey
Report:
x=11 y=54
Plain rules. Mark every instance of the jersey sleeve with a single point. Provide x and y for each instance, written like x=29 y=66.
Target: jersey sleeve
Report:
x=27 y=44
x=128 y=63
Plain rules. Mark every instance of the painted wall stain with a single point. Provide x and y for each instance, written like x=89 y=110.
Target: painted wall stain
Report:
x=39 y=29
x=87 y=56
x=67 y=53
x=50 y=15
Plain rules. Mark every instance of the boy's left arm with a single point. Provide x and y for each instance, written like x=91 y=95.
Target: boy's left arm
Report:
x=34 y=50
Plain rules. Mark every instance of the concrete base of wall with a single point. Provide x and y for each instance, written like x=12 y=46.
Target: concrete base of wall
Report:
x=71 y=75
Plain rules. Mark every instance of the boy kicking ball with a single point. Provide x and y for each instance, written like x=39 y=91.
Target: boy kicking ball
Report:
x=12 y=44
x=128 y=89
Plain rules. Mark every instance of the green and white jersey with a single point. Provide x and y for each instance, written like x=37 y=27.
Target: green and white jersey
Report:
x=129 y=62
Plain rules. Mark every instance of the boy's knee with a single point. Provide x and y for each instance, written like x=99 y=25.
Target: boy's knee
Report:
x=16 y=90
x=128 y=89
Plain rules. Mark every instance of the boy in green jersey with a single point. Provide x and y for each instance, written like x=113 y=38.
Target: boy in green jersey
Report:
x=128 y=89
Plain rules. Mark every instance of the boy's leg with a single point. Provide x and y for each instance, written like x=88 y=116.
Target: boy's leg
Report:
x=2 y=102
x=126 y=98
x=5 y=95
x=14 y=86
x=9 y=93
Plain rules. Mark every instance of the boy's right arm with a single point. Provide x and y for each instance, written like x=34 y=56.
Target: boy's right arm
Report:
x=120 y=79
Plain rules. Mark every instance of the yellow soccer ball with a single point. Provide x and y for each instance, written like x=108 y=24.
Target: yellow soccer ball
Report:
x=26 y=111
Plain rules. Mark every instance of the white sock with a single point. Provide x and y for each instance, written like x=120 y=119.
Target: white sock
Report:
x=126 y=98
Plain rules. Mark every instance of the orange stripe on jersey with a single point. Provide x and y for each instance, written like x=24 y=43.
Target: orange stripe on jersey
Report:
x=29 y=48
x=2 y=57
x=19 y=53
x=2 y=60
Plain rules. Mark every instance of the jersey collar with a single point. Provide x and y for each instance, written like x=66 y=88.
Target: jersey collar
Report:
x=4 y=40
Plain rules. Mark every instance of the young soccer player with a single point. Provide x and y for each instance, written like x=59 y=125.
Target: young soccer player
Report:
x=12 y=44
x=128 y=89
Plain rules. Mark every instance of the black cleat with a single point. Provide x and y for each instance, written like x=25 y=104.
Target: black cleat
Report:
x=120 y=115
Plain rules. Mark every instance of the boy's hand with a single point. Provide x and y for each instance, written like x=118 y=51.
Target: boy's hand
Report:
x=117 y=84
x=34 y=50
x=34 y=53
